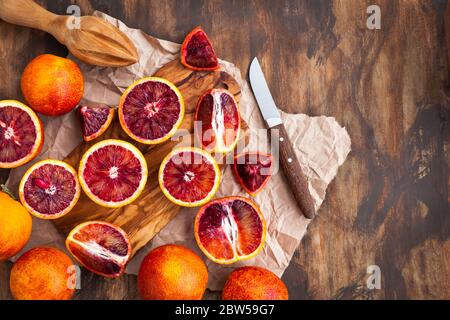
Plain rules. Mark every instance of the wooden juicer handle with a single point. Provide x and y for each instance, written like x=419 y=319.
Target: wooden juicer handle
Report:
x=92 y=40
x=27 y=13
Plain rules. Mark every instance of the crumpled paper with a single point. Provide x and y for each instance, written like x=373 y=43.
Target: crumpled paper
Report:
x=321 y=144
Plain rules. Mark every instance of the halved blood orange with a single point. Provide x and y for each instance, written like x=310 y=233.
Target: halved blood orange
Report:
x=189 y=176
x=197 y=52
x=49 y=189
x=95 y=120
x=21 y=134
x=253 y=170
x=100 y=247
x=151 y=110
x=113 y=173
x=217 y=121
x=230 y=229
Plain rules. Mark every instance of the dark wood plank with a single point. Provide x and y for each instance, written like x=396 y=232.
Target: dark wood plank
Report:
x=5 y=268
x=390 y=88
x=94 y=287
x=389 y=203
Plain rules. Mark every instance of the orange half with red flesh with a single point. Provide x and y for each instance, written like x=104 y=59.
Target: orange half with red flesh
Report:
x=151 y=110
x=218 y=121
x=230 y=229
x=189 y=177
x=49 y=189
x=21 y=134
x=100 y=247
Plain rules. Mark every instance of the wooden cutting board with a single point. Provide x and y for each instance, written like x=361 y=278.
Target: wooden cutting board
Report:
x=146 y=216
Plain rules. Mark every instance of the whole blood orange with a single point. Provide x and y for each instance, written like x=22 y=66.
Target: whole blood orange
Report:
x=254 y=283
x=172 y=272
x=42 y=274
x=49 y=189
x=15 y=226
x=151 y=110
x=217 y=121
x=21 y=134
x=95 y=120
x=253 y=170
x=189 y=177
x=52 y=85
x=113 y=173
x=230 y=229
x=197 y=52
x=100 y=247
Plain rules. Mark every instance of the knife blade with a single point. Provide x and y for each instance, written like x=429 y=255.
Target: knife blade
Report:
x=289 y=163
x=265 y=101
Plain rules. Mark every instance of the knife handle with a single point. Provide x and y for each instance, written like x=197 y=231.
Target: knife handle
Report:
x=293 y=171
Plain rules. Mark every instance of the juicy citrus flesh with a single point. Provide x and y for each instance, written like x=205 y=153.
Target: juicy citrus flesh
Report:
x=113 y=173
x=172 y=272
x=49 y=189
x=95 y=120
x=151 y=110
x=189 y=176
x=21 y=134
x=100 y=247
x=217 y=116
x=42 y=273
x=197 y=52
x=15 y=226
x=253 y=171
x=254 y=283
x=230 y=229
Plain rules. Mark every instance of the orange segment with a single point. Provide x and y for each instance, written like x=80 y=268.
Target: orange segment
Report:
x=230 y=229
x=253 y=170
x=95 y=120
x=189 y=176
x=101 y=247
x=197 y=52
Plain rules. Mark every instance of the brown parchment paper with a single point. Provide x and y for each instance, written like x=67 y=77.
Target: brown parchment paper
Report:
x=321 y=144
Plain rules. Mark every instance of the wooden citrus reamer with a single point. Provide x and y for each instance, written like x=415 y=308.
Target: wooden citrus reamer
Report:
x=90 y=39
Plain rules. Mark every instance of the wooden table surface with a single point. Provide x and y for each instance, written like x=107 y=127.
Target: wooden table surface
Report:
x=389 y=204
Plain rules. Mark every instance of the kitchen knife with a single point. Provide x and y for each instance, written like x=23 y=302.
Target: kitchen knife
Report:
x=288 y=161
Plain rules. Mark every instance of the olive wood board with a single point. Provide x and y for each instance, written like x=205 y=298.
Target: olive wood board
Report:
x=151 y=211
